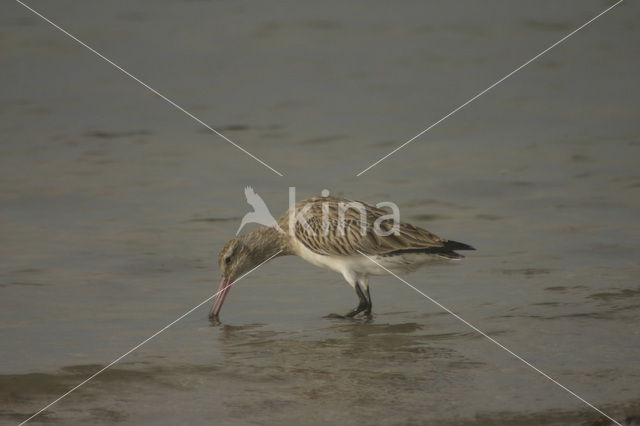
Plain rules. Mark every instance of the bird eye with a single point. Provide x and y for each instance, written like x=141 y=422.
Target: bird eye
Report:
x=227 y=260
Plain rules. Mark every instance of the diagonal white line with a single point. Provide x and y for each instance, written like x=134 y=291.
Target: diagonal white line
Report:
x=154 y=91
x=141 y=343
x=491 y=87
x=494 y=341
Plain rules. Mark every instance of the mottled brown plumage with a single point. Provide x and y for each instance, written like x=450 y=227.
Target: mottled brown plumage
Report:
x=352 y=239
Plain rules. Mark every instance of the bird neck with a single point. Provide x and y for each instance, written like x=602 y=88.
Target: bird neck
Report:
x=266 y=242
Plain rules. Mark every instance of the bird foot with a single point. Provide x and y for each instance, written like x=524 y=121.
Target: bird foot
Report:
x=351 y=314
x=335 y=316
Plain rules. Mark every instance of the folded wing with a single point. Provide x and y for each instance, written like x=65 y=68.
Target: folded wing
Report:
x=349 y=239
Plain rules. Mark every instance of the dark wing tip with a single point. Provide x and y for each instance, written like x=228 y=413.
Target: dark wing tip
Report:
x=455 y=245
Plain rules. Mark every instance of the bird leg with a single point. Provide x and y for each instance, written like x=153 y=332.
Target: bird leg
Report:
x=364 y=305
x=370 y=304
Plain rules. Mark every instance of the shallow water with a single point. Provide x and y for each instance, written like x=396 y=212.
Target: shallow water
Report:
x=113 y=206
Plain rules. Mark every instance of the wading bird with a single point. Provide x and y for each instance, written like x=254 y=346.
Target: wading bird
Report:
x=339 y=242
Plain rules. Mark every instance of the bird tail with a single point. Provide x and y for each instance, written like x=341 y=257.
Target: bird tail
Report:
x=449 y=247
x=455 y=245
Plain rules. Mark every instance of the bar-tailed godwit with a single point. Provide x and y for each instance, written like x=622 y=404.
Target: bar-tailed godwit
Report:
x=340 y=249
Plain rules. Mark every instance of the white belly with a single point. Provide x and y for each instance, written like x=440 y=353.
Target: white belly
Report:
x=361 y=265
x=335 y=263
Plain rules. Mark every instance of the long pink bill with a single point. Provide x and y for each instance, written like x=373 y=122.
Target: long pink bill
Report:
x=225 y=284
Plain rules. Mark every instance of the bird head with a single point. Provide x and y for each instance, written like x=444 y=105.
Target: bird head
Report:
x=235 y=259
x=242 y=254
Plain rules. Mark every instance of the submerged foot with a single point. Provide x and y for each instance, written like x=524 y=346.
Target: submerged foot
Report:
x=352 y=314
x=335 y=316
